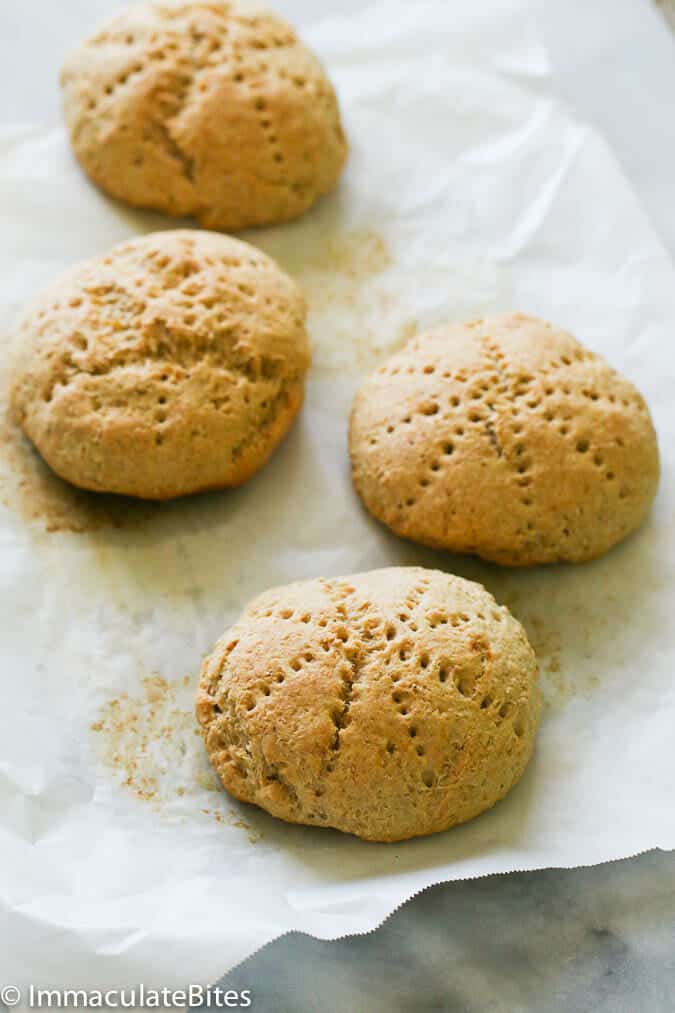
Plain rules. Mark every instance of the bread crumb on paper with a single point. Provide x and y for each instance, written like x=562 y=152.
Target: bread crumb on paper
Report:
x=562 y=680
x=151 y=746
x=357 y=311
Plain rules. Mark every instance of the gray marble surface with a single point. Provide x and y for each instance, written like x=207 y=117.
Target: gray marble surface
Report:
x=599 y=939
x=577 y=940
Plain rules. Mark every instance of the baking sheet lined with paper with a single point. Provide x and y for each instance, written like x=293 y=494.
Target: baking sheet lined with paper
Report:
x=468 y=191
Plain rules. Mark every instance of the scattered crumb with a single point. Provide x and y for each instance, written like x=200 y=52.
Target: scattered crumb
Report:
x=357 y=312
x=153 y=748
x=547 y=646
x=253 y=835
x=358 y=254
x=562 y=679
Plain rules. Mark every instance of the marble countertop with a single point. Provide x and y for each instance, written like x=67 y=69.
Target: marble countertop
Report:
x=572 y=940
x=600 y=939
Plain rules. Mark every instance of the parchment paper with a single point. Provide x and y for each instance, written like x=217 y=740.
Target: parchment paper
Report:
x=468 y=191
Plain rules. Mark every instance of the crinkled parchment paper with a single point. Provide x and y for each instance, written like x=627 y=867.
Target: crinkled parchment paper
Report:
x=468 y=190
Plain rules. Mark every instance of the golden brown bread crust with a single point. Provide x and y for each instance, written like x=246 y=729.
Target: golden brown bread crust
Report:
x=214 y=110
x=505 y=438
x=387 y=704
x=171 y=366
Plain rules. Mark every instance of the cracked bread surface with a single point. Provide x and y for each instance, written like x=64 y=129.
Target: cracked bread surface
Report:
x=173 y=365
x=215 y=110
x=507 y=439
x=388 y=704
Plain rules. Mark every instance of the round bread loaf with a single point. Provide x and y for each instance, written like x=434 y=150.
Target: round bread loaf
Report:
x=505 y=438
x=173 y=365
x=215 y=110
x=387 y=704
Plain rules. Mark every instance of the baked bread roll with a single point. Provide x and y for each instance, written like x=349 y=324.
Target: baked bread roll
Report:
x=215 y=110
x=505 y=438
x=173 y=365
x=387 y=704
